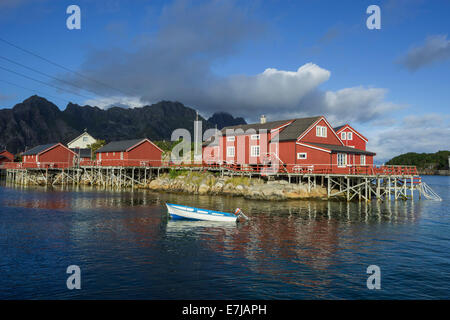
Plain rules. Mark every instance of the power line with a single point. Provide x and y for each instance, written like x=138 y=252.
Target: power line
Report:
x=47 y=84
x=62 y=67
x=33 y=90
x=45 y=74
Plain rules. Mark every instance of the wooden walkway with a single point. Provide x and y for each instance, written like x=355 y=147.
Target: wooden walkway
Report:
x=382 y=183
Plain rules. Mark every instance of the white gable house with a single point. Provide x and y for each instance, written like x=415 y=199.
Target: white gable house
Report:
x=82 y=141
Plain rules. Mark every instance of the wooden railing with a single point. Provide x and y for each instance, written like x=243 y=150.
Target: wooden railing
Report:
x=238 y=168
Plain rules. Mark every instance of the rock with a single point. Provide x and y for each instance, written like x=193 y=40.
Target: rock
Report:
x=203 y=189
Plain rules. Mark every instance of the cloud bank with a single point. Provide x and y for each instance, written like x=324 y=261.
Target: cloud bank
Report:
x=177 y=61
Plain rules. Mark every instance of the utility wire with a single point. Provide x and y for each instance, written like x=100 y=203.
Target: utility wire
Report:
x=47 y=84
x=35 y=91
x=62 y=67
x=45 y=74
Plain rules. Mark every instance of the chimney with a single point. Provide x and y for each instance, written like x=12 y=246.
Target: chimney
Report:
x=263 y=119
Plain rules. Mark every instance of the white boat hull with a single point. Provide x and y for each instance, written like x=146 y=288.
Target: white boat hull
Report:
x=181 y=212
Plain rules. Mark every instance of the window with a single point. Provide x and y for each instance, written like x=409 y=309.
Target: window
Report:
x=349 y=136
x=363 y=160
x=230 y=138
x=255 y=151
x=301 y=155
x=85 y=139
x=343 y=136
x=341 y=159
x=230 y=151
x=321 y=131
x=254 y=137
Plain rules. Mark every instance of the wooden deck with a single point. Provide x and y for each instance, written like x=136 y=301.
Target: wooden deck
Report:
x=362 y=183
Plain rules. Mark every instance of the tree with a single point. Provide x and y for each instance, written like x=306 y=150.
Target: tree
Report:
x=96 y=145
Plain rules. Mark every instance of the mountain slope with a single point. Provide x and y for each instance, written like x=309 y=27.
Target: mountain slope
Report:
x=38 y=121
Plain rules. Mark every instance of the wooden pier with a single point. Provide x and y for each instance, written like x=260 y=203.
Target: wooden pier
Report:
x=386 y=185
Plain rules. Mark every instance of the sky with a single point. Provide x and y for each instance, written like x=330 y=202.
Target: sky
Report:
x=283 y=59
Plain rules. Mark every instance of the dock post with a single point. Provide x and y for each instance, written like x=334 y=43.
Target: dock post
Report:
x=348 y=189
x=328 y=187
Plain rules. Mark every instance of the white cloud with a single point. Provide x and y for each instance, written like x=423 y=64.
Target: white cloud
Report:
x=415 y=133
x=271 y=89
x=116 y=101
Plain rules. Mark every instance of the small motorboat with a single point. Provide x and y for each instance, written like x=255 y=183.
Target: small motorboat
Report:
x=178 y=211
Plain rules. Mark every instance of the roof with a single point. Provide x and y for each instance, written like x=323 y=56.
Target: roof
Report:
x=336 y=148
x=38 y=149
x=296 y=128
x=291 y=132
x=84 y=133
x=6 y=154
x=339 y=128
x=123 y=145
x=352 y=129
x=255 y=126
x=84 y=153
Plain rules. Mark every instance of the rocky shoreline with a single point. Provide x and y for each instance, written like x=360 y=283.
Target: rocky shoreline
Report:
x=205 y=183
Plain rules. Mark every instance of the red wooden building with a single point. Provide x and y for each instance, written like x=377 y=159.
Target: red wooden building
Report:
x=53 y=155
x=83 y=154
x=350 y=137
x=136 y=152
x=6 y=156
x=296 y=145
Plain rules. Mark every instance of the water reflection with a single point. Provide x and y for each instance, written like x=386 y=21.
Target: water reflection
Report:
x=303 y=244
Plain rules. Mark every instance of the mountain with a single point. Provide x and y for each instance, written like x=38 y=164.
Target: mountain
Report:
x=38 y=121
x=223 y=119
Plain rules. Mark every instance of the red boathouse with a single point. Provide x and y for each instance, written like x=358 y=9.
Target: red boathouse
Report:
x=136 y=152
x=53 y=155
x=6 y=156
x=302 y=145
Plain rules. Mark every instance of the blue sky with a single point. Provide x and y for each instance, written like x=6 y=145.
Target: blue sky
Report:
x=244 y=57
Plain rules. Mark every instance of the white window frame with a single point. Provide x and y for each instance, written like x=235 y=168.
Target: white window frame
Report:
x=85 y=139
x=254 y=137
x=362 y=160
x=349 y=136
x=231 y=138
x=343 y=135
x=341 y=160
x=321 y=131
x=253 y=150
x=299 y=155
x=229 y=153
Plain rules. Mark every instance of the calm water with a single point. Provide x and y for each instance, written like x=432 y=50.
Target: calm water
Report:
x=126 y=247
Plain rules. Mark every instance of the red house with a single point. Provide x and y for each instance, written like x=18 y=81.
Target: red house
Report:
x=137 y=152
x=6 y=156
x=53 y=155
x=350 y=137
x=296 y=145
